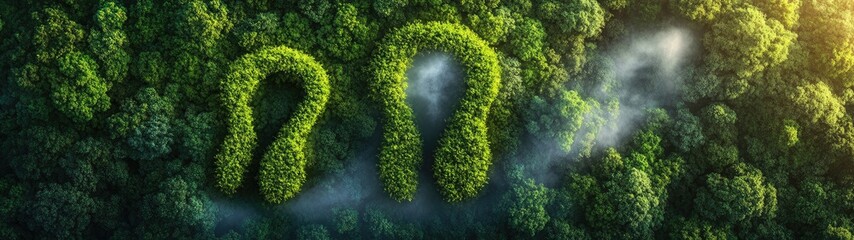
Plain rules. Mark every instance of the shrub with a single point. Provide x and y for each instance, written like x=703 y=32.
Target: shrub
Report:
x=463 y=156
x=282 y=170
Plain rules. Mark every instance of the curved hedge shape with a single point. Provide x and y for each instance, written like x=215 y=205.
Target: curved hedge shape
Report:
x=283 y=166
x=463 y=156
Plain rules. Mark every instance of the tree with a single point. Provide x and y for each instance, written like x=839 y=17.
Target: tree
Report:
x=313 y=232
x=740 y=195
x=627 y=207
x=346 y=220
x=267 y=30
x=703 y=10
x=388 y=8
x=827 y=32
x=527 y=39
x=742 y=44
x=493 y=26
x=145 y=121
x=568 y=24
x=698 y=229
x=182 y=209
x=81 y=92
x=198 y=132
x=197 y=48
x=109 y=42
x=39 y=156
x=687 y=133
x=318 y=11
x=526 y=205
x=556 y=122
x=61 y=212
x=585 y=17
x=785 y=11
x=55 y=35
x=382 y=227
x=151 y=67
x=349 y=36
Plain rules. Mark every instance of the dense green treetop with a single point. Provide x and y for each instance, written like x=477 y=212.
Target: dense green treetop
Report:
x=283 y=166
x=463 y=156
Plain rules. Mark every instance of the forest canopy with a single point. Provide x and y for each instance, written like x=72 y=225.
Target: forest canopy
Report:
x=427 y=119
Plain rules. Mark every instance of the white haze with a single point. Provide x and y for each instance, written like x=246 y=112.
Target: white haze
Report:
x=434 y=87
x=642 y=72
x=649 y=75
x=350 y=187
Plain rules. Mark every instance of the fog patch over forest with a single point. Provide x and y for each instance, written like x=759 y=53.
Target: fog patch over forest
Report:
x=649 y=72
x=644 y=71
x=348 y=188
x=434 y=88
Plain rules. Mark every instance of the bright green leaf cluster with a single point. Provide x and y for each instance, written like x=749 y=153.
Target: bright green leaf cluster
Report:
x=282 y=170
x=81 y=92
x=463 y=156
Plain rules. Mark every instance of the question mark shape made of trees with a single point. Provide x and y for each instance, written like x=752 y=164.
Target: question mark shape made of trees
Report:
x=282 y=171
x=463 y=157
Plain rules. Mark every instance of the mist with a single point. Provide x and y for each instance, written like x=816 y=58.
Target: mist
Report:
x=348 y=188
x=434 y=88
x=642 y=72
x=648 y=71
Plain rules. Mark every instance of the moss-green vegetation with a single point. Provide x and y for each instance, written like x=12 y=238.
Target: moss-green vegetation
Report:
x=463 y=157
x=282 y=171
x=581 y=119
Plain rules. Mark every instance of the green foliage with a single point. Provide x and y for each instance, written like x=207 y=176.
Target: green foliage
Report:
x=145 y=121
x=463 y=156
x=346 y=219
x=557 y=122
x=268 y=29
x=387 y=8
x=826 y=30
x=80 y=93
x=55 y=35
x=527 y=39
x=687 y=133
x=785 y=11
x=197 y=140
x=349 y=36
x=698 y=229
x=178 y=202
x=151 y=68
x=585 y=17
x=204 y=22
x=283 y=166
x=626 y=198
x=109 y=42
x=526 y=206
x=61 y=212
x=313 y=232
x=125 y=119
x=702 y=10
x=493 y=27
x=735 y=198
x=318 y=11
x=504 y=126
x=382 y=227
x=741 y=45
